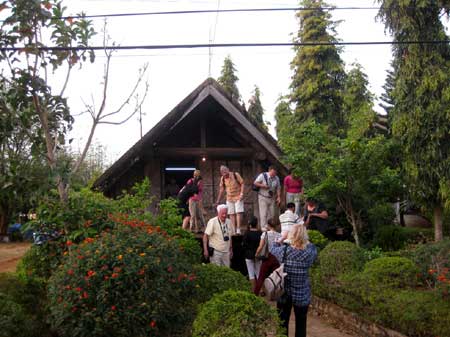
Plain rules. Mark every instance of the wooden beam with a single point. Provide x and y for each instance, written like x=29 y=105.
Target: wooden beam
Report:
x=211 y=152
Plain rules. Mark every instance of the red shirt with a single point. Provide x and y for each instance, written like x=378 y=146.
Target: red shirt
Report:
x=293 y=185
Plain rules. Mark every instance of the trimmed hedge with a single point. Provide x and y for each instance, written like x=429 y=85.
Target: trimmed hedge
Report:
x=237 y=314
x=340 y=257
x=213 y=279
x=385 y=292
x=393 y=272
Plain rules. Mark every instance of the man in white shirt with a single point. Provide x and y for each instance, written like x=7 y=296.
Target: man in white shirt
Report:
x=288 y=219
x=217 y=237
x=269 y=193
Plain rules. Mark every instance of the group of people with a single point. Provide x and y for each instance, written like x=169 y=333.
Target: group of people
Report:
x=290 y=247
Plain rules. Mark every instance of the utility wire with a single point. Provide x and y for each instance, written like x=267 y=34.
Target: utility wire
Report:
x=220 y=45
x=203 y=11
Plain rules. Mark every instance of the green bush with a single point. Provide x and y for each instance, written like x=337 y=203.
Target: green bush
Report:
x=391 y=238
x=431 y=258
x=413 y=313
x=317 y=238
x=214 y=279
x=133 y=281
x=236 y=314
x=22 y=307
x=340 y=257
x=13 y=319
x=392 y=272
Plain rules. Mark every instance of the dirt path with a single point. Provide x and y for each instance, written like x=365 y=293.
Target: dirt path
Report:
x=10 y=254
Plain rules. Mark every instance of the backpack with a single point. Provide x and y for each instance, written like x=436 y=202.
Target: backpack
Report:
x=222 y=180
x=257 y=188
x=274 y=284
x=187 y=191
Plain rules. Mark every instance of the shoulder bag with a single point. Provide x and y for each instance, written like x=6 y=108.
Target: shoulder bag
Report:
x=274 y=284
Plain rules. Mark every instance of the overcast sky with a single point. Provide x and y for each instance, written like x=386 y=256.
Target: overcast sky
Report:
x=173 y=74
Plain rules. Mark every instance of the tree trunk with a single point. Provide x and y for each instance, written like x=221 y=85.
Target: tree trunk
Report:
x=437 y=218
x=3 y=221
x=352 y=217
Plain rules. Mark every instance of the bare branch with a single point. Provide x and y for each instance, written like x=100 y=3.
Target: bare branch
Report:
x=66 y=81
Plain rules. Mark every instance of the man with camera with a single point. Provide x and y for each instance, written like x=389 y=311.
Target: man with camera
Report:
x=269 y=193
x=217 y=244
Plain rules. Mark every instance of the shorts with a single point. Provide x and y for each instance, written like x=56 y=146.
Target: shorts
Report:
x=235 y=206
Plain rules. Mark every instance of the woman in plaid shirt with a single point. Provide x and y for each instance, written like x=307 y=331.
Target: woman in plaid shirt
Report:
x=300 y=255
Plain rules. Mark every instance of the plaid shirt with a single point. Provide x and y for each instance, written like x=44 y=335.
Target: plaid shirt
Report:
x=296 y=265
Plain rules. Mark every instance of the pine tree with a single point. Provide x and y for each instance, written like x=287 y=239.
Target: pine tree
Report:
x=318 y=70
x=255 y=109
x=421 y=95
x=228 y=79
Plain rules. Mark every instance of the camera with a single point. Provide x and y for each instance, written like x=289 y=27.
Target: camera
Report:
x=226 y=238
x=271 y=194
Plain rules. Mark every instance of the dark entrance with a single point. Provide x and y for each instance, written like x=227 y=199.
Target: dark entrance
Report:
x=176 y=172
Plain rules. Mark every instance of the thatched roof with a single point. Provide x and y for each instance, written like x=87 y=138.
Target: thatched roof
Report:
x=209 y=88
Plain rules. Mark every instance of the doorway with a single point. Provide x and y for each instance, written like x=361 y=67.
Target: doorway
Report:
x=175 y=175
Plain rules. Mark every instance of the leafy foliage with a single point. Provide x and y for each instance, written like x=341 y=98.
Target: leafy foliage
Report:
x=340 y=257
x=228 y=79
x=125 y=282
x=316 y=237
x=391 y=238
x=319 y=74
x=214 y=279
x=255 y=109
x=422 y=99
x=236 y=314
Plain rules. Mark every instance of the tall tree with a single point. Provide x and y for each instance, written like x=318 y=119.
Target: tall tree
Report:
x=255 y=109
x=30 y=26
x=228 y=79
x=283 y=115
x=318 y=70
x=421 y=94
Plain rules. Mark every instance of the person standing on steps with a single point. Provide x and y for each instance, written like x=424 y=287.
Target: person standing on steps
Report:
x=293 y=186
x=233 y=185
x=250 y=244
x=217 y=243
x=269 y=194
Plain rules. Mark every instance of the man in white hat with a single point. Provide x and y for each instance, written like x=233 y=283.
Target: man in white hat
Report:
x=217 y=244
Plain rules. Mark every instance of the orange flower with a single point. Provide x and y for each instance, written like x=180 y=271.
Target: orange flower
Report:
x=142 y=254
x=69 y=243
x=120 y=257
x=115 y=275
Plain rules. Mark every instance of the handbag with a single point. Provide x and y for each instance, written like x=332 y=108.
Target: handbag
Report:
x=274 y=284
x=210 y=251
x=264 y=252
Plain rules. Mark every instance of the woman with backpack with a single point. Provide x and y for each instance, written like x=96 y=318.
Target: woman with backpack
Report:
x=298 y=258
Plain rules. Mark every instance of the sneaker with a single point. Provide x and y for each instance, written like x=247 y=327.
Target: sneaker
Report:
x=238 y=231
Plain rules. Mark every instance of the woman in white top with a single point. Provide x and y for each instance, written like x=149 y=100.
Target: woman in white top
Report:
x=271 y=263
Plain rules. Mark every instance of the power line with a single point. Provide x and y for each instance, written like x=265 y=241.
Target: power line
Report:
x=220 y=45
x=205 y=11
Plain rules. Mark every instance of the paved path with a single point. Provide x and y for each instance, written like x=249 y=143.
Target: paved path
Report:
x=317 y=326
x=10 y=254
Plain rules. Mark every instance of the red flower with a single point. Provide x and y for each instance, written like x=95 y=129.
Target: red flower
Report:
x=85 y=295
x=70 y=272
x=152 y=324
x=169 y=269
x=115 y=275
x=78 y=289
x=91 y=273
x=69 y=243
x=113 y=308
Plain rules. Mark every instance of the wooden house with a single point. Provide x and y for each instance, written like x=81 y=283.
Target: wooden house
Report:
x=204 y=131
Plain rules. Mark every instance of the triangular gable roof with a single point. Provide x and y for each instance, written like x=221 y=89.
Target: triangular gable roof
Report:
x=208 y=88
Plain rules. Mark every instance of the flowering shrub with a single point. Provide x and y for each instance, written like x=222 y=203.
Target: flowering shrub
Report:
x=133 y=281
x=237 y=314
